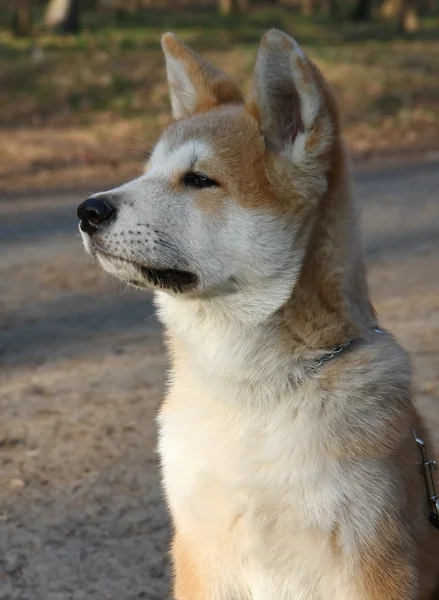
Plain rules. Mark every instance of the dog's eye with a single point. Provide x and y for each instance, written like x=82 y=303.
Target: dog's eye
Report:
x=198 y=180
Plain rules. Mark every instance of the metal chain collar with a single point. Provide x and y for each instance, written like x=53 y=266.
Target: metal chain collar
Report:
x=329 y=355
x=337 y=350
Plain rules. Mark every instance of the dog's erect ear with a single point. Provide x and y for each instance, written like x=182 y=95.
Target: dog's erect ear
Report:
x=291 y=101
x=195 y=85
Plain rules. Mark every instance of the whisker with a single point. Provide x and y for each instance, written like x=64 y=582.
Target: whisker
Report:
x=123 y=291
x=166 y=241
x=124 y=137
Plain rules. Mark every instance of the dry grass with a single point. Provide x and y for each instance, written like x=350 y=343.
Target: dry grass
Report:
x=73 y=107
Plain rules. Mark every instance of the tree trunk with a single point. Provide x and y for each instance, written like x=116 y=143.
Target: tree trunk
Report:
x=22 y=24
x=404 y=13
x=408 y=20
x=432 y=7
x=225 y=7
x=389 y=9
x=62 y=16
x=243 y=6
x=308 y=8
x=330 y=8
x=362 y=11
x=135 y=5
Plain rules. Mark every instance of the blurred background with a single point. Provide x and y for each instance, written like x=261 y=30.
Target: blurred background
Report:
x=79 y=78
x=83 y=96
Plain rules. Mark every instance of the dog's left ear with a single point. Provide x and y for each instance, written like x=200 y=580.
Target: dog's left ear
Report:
x=195 y=85
x=292 y=102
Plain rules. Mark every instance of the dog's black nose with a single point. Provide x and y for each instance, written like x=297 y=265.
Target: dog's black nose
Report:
x=93 y=212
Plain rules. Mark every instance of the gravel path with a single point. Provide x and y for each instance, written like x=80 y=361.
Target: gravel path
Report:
x=82 y=373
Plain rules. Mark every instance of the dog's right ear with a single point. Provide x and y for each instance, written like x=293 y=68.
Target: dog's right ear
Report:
x=195 y=85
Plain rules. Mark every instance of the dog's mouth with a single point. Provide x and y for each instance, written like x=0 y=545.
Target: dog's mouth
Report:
x=140 y=276
x=173 y=279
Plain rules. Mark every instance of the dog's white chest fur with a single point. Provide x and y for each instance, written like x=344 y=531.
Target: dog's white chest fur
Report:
x=251 y=489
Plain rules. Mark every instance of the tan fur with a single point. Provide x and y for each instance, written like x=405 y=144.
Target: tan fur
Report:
x=189 y=580
x=248 y=184
x=214 y=87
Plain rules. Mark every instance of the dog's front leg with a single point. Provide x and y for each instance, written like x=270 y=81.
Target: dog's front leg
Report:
x=193 y=579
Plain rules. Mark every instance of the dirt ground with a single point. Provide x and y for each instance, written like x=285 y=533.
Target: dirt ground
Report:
x=82 y=373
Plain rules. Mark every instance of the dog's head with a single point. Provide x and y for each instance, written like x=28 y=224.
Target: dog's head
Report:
x=229 y=194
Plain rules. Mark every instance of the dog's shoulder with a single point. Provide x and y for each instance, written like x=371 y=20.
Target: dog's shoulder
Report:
x=370 y=398
x=374 y=366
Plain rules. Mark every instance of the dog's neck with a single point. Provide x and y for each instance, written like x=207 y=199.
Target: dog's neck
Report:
x=330 y=301
x=318 y=304
x=218 y=343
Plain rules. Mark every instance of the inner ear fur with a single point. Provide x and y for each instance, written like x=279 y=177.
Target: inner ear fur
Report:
x=292 y=102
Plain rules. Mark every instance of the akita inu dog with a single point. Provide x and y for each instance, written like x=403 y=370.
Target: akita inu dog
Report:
x=286 y=437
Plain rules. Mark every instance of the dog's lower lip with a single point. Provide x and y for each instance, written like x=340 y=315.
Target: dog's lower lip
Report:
x=170 y=278
x=174 y=279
